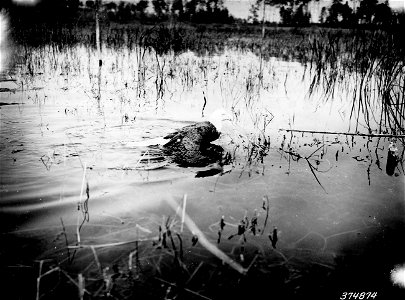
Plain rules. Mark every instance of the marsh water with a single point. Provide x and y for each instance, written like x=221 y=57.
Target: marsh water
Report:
x=75 y=149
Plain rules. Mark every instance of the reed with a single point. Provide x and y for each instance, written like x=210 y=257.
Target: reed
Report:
x=369 y=66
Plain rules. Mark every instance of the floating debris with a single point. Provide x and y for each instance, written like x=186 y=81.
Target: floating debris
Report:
x=219 y=236
x=241 y=228
x=253 y=223
x=222 y=223
x=194 y=240
x=358 y=158
x=273 y=238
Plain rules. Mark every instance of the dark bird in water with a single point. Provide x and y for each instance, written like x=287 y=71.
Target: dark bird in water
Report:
x=191 y=146
x=392 y=159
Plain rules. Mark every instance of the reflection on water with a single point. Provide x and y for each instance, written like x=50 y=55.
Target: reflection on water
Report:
x=302 y=211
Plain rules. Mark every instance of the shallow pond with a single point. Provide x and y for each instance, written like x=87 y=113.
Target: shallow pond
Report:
x=70 y=161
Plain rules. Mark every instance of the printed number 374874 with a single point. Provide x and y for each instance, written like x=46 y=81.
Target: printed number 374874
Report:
x=357 y=295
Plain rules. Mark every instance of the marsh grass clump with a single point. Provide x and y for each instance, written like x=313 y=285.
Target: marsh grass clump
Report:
x=173 y=264
x=369 y=65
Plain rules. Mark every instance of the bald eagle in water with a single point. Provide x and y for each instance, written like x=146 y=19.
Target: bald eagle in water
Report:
x=191 y=146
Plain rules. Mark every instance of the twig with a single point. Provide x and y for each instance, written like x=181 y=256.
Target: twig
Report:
x=188 y=290
x=73 y=281
x=298 y=156
x=43 y=275
x=80 y=205
x=96 y=259
x=81 y=286
x=267 y=212
x=130 y=259
x=66 y=238
x=39 y=278
x=195 y=272
x=180 y=246
x=252 y=262
x=107 y=245
x=312 y=170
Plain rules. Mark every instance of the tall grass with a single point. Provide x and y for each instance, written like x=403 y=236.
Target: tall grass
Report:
x=370 y=66
x=367 y=65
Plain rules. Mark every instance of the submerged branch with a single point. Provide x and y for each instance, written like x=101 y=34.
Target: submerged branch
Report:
x=205 y=242
x=347 y=133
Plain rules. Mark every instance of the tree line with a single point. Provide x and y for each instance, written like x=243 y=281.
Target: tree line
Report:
x=339 y=13
x=197 y=11
x=292 y=12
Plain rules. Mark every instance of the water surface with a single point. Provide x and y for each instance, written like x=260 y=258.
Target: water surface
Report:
x=339 y=226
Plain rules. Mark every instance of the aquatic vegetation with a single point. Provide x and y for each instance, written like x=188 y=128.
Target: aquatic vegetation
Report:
x=116 y=278
x=369 y=65
x=140 y=242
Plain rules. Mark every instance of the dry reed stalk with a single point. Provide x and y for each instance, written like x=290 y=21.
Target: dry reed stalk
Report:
x=137 y=163
x=40 y=275
x=137 y=246
x=195 y=272
x=96 y=259
x=130 y=259
x=266 y=198
x=81 y=285
x=135 y=252
x=108 y=244
x=206 y=243
x=98 y=44
x=79 y=205
x=252 y=262
x=66 y=238
x=39 y=278
x=261 y=45
x=184 y=212
x=187 y=290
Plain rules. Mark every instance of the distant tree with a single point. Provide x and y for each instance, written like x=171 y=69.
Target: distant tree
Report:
x=124 y=13
x=111 y=9
x=366 y=11
x=178 y=8
x=347 y=13
x=73 y=5
x=383 y=14
x=56 y=10
x=7 y=4
x=254 y=14
x=291 y=11
x=190 y=9
x=49 y=12
x=160 y=7
x=207 y=11
x=141 y=7
x=322 y=16
x=111 y=6
x=90 y=4
x=340 y=13
x=286 y=15
x=301 y=15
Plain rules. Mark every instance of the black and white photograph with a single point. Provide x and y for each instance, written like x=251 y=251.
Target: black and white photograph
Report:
x=202 y=149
